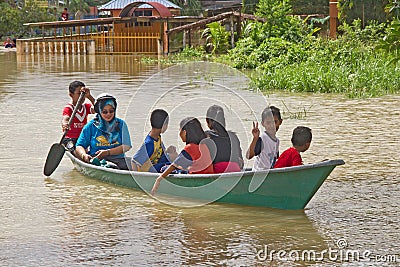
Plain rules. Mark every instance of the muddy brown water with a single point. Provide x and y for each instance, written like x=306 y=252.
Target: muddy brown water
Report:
x=70 y=220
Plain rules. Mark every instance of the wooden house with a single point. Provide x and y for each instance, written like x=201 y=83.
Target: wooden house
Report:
x=141 y=35
x=139 y=27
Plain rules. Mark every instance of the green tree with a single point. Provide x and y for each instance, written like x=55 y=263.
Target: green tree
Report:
x=78 y=5
x=276 y=14
x=217 y=38
x=10 y=20
x=279 y=22
x=263 y=41
x=189 y=7
x=393 y=8
x=13 y=17
x=391 y=42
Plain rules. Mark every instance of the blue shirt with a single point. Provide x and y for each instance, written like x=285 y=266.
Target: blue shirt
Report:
x=151 y=155
x=96 y=139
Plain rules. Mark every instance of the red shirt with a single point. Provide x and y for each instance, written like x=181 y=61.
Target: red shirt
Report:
x=79 y=121
x=290 y=157
x=201 y=161
x=64 y=16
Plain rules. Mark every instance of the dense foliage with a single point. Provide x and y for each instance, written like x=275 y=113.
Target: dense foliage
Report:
x=391 y=42
x=14 y=13
x=290 y=57
x=189 y=7
x=217 y=38
x=13 y=17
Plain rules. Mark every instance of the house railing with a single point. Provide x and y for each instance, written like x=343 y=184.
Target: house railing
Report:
x=55 y=46
x=128 y=43
x=93 y=43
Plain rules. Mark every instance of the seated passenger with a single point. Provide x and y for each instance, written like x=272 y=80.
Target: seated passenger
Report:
x=227 y=156
x=301 y=140
x=265 y=146
x=152 y=155
x=8 y=43
x=195 y=156
x=106 y=136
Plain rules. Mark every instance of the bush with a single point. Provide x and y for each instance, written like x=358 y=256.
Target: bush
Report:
x=289 y=58
x=12 y=18
x=336 y=69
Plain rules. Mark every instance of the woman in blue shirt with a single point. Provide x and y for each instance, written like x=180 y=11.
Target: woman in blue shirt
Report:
x=106 y=136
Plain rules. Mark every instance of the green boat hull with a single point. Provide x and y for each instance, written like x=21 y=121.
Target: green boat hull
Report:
x=287 y=188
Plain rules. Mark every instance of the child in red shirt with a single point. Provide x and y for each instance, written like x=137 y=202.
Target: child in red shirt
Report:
x=9 y=43
x=65 y=15
x=80 y=119
x=301 y=140
x=195 y=156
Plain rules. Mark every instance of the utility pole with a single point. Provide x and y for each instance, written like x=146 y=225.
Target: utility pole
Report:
x=333 y=14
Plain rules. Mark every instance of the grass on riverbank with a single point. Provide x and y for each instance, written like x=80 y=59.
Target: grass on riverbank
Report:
x=366 y=76
x=350 y=66
x=355 y=73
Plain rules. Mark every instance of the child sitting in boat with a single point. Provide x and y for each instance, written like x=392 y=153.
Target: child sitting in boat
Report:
x=152 y=155
x=227 y=156
x=301 y=140
x=80 y=119
x=265 y=146
x=195 y=156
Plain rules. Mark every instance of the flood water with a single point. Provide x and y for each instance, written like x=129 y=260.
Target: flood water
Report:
x=70 y=220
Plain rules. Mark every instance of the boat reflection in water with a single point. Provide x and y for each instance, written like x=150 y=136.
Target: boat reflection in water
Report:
x=100 y=223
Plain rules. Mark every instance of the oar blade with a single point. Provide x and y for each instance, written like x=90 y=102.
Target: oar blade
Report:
x=57 y=150
x=54 y=157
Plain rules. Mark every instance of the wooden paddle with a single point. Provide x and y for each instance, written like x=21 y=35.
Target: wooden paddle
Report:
x=57 y=150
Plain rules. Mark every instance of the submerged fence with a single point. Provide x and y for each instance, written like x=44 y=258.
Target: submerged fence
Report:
x=99 y=43
x=52 y=46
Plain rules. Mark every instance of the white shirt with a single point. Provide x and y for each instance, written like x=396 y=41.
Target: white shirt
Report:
x=269 y=153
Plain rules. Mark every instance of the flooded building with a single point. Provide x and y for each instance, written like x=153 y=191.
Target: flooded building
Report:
x=132 y=27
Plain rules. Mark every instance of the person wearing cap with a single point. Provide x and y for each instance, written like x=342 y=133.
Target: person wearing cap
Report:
x=106 y=136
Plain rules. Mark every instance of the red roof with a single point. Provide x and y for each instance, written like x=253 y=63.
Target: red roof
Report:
x=128 y=10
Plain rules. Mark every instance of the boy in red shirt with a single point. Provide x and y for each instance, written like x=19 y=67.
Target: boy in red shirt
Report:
x=301 y=140
x=65 y=15
x=80 y=119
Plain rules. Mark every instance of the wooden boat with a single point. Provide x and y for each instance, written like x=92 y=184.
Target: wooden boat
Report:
x=12 y=49
x=286 y=188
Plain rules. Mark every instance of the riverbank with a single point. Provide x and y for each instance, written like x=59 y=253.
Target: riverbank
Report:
x=336 y=68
